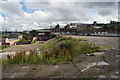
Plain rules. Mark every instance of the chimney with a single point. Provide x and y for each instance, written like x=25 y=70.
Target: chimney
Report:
x=95 y=23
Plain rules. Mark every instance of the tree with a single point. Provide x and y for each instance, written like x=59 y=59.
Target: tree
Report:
x=33 y=33
x=67 y=26
x=57 y=26
x=25 y=35
x=105 y=27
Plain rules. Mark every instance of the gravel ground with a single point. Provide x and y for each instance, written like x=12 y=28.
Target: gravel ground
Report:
x=102 y=41
x=111 y=57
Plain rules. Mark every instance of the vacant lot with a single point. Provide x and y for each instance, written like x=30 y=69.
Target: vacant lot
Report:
x=87 y=67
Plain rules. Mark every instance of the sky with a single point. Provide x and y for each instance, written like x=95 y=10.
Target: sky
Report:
x=38 y=14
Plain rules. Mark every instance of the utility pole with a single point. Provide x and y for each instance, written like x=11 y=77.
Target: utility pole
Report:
x=50 y=31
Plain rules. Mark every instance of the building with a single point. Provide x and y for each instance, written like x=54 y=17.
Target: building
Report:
x=10 y=38
x=16 y=35
x=43 y=34
x=97 y=25
x=114 y=27
x=81 y=28
x=9 y=42
x=67 y=30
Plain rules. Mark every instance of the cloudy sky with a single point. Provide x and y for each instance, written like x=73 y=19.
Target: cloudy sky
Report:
x=35 y=14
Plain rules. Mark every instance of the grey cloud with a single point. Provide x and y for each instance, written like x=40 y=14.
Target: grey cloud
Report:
x=99 y=4
x=56 y=12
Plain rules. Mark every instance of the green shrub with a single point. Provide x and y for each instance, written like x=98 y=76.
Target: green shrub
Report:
x=23 y=40
x=34 y=42
x=3 y=47
x=5 y=36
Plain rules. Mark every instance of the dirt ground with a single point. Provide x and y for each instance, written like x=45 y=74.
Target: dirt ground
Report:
x=71 y=70
x=25 y=47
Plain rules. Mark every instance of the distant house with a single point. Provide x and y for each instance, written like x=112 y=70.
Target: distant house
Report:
x=43 y=34
x=16 y=35
x=82 y=27
x=97 y=25
x=10 y=38
x=114 y=27
x=12 y=35
x=9 y=42
x=67 y=30
x=114 y=23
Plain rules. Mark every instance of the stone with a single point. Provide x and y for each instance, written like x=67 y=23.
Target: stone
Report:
x=56 y=66
x=25 y=67
x=102 y=63
x=102 y=76
x=98 y=53
x=114 y=76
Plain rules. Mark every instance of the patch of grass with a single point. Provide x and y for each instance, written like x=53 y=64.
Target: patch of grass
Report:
x=60 y=50
x=104 y=58
x=105 y=47
x=3 y=47
x=82 y=39
x=34 y=42
x=24 y=40
x=76 y=60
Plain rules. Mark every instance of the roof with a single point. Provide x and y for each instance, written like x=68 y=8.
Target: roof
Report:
x=60 y=26
x=117 y=24
x=97 y=27
x=83 y=25
x=99 y=24
x=40 y=30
